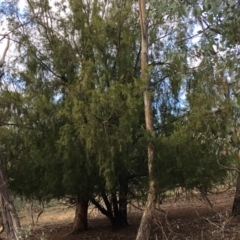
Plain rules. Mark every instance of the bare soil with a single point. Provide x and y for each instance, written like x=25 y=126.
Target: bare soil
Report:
x=187 y=218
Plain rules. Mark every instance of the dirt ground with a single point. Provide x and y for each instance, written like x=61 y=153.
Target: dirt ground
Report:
x=187 y=218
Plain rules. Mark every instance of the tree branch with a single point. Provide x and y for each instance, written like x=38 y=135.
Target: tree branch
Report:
x=6 y=49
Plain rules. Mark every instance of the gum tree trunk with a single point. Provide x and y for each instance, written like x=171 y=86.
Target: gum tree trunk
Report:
x=146 y=221
x=9 y=214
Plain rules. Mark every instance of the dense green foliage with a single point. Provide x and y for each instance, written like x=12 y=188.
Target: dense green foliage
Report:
x=74 y=124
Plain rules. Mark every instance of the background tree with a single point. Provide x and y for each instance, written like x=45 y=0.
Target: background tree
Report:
x=90 y=105
x=9 y=213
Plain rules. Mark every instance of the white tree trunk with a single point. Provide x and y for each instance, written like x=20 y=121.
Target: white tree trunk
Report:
x=146 y=221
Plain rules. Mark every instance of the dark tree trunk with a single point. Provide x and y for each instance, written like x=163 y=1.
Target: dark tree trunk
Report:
x=123 y=192
x=81 y=215
x=9 y=214
x=106 y=212
x=120 y=215
x=236 y=201
x=116 y=210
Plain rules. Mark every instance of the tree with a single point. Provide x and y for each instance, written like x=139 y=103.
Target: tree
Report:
x=88 y=99
x=144 y=229
x=9 y=213
x=219 y=43
x=221 y=21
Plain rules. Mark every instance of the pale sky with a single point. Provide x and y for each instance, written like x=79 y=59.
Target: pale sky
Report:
x=3 y=27
x=22 y=5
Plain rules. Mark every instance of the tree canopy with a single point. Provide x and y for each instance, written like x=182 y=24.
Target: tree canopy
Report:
x=72 y=104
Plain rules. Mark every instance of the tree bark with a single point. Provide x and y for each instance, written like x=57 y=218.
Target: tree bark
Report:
x=120 y=212
x=81 y=215
x=117 y=220
x=5 y=50
x=123 y=200
x=9 y=214
x=236 y=201
x=108 y=213
x=146 y=221
x=116 y=210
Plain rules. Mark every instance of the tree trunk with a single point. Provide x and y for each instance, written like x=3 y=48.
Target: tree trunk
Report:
x=9 y=214
x=123 y=200
x=5 y=50
x=81 y=215
x=107 y=212
x=146 y=221
x=236 y=201
x=120 y=215
x=10 y=219
x=116 y=214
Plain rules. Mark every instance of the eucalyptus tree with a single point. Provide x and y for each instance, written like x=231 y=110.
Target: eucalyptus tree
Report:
x=224 y=23
x=144 y=229
x=220 y=42
x=168 y=68
x=215 y=19
x=9 y=214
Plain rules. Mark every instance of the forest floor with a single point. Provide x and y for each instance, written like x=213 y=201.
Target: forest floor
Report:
x=184 y=218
